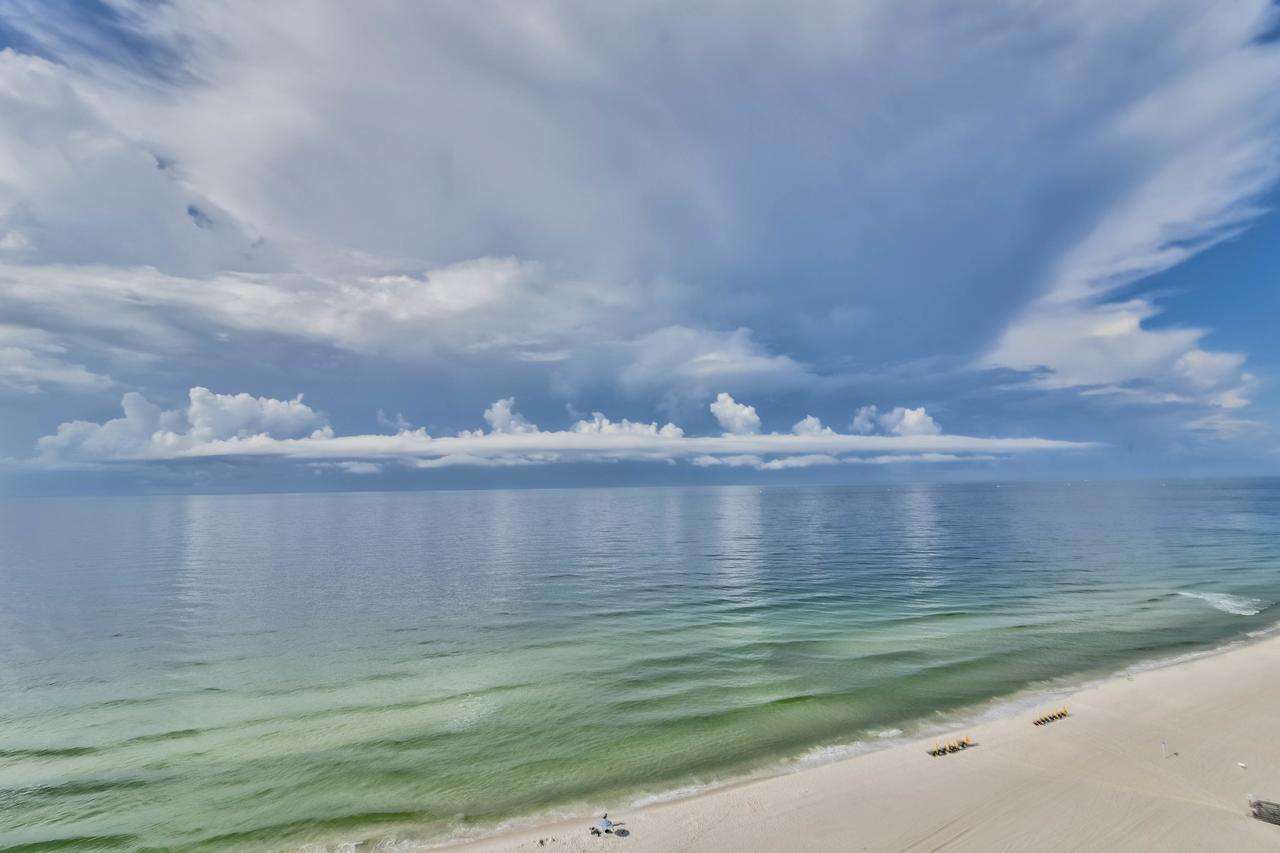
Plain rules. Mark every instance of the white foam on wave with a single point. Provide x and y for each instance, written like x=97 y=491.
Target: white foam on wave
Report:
x=830 y=754
x=1236 y=604
x=383 y=845
x=682 y=793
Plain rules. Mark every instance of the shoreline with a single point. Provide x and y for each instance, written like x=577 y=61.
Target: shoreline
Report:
x=777 y=808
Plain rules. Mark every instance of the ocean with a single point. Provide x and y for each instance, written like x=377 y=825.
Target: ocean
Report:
x=313 y=670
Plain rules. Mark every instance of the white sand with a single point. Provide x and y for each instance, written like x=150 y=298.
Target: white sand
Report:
x=1094 y=781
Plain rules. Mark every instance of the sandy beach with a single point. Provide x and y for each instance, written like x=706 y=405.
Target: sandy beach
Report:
x=1094 y=781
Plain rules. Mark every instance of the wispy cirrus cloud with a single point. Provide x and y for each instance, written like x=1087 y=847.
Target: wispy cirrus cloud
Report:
x=31 y=359
x=1207 y=142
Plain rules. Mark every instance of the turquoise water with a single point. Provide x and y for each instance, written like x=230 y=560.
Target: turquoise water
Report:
x=267 y=671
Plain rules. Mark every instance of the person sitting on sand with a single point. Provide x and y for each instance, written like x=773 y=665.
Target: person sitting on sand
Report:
x=603 y=826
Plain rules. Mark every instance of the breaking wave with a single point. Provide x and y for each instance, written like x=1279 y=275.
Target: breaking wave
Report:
x=1237 y=604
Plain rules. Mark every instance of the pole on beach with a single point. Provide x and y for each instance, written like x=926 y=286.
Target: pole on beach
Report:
x=1164 y=750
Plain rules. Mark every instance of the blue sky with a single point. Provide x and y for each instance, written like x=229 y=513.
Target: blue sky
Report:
x=566 y=244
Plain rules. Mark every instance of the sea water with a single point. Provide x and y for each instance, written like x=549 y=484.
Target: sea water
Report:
x=276 y=671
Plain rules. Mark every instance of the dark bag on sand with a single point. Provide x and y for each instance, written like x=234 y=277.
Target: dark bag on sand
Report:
x=1263 y=810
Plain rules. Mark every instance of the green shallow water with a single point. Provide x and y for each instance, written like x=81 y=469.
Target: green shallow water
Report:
x=273 y=671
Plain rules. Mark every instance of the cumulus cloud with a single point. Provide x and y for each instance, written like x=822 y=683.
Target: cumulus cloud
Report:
x=735 y=418
x=240 y=425
x=809 y=425
x=148 y=432
x=213 y=417
x=864 y=420
x=503 y=418
x=598 y=424
x=896 y=421
x=903 y=421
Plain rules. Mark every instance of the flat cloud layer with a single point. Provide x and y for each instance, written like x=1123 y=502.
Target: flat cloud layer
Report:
x=240 y=425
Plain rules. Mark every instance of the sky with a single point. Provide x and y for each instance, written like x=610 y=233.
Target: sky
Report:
x=325 y=245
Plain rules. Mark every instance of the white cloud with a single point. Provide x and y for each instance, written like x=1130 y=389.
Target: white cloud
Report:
x=601 y=425
x=350 y=467
x=240 y=425
x=896 y=458
x=455 y=460
x=75 y=188
x=213 y=417
x=897 y=421
x=498 y=306
x=735 y=418
x=864 y=420
x=1211 y=129
x=31 y=360
x=148 y=432
x=362 y=468
x=902 y=421
x=1217 y=377
x=502 y=418
x=115 y=439
x=810 y=459
x=396 y=424
x=103 y=229
x=1206 y=370
x=500 y=309
x=1234 y=398
x=1105 y=350
x=1224 y=426
x=694 y=362
x=781 y=463
x=739 y=460
x=1206 y=136
x=1084 y=345
x=809 y=425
